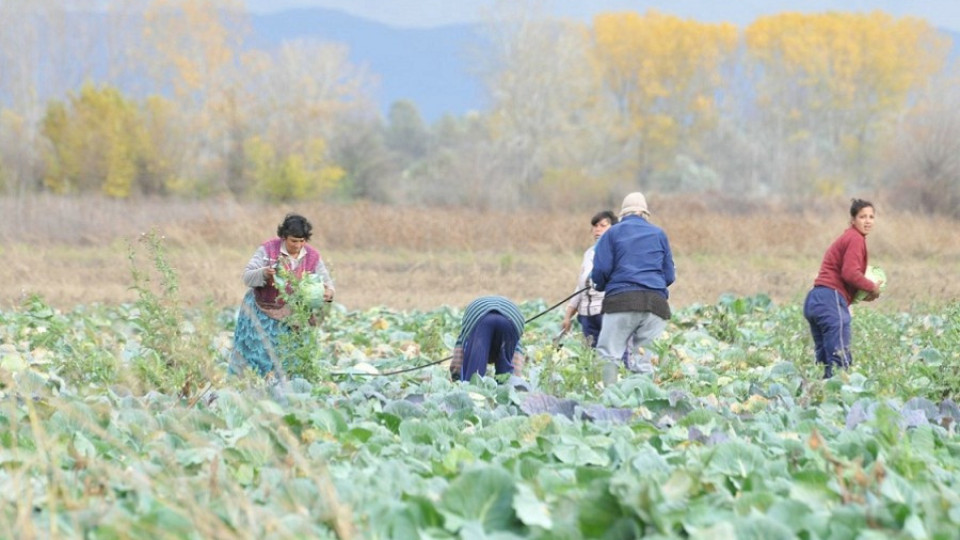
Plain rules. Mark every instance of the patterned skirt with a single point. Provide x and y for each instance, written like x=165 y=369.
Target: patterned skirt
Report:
x=256 y=339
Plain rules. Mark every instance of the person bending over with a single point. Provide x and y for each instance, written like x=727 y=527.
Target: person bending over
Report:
x=490 y=333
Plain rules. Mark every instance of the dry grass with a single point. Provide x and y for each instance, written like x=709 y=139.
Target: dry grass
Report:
x=74 y=251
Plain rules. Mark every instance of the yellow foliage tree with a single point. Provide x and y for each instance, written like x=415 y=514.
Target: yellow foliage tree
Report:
x=291 y=176
x=17 y=152
x=192 y=48
x=193 y=42
x=163 y=150
x=95 y=143
x=834 y=81
x=302 y=96
x=662 y=74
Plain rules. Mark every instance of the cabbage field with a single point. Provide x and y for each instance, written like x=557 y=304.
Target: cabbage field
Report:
x=122 y=422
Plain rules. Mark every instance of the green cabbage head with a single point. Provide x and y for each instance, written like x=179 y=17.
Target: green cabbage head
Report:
x=876 y=275
x=311 y=290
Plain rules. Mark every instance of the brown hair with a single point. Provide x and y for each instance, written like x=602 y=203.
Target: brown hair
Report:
x=856 y=205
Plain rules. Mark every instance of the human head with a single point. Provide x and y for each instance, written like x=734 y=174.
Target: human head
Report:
x=861 y=215
x=602 y=221
x=295 y=226
x=605 y=215
x=856 y=205
x=634 y=203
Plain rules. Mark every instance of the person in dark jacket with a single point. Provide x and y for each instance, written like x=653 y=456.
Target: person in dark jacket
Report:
x=490 y=333
x=633 y=266
x=827 y=305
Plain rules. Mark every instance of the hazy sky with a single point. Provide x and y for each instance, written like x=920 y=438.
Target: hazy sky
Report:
x=419 y=13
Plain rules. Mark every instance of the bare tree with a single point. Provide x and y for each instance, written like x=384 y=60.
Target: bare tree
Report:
x=46 y=49
x=925 y=162
x=300 y=91
x=547 y=123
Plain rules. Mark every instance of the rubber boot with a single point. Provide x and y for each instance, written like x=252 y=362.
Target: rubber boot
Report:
x=610 y=373
x=641 y=363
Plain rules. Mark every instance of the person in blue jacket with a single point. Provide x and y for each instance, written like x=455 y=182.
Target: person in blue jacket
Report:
x=633 y=266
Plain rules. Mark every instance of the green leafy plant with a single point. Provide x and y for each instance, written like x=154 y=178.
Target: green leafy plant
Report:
x=175 y=355
x=570 y=369
x=299 y=349
x=736 y=440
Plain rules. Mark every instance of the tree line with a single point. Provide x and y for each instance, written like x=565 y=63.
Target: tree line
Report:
x=168 y=98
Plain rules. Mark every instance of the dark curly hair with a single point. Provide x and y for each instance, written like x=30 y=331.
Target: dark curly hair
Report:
x=296 y=226
x=856 y=205
x=606 y=214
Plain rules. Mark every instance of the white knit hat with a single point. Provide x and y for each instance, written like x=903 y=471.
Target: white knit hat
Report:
x=634 y=203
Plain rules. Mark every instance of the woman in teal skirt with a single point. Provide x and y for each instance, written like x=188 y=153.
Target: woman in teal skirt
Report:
x=260 y=322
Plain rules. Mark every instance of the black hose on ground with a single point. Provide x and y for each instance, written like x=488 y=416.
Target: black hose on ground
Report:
x=435 y=362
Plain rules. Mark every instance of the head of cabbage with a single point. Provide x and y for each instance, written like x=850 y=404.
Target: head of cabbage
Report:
x=311 y=291
x=876 y=275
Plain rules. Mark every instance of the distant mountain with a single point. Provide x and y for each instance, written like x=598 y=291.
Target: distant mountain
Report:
x=955 y=49
x=429 y=66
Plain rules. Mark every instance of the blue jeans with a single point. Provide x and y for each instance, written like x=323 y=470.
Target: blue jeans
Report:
x=829 y=316
x=591 y=324
x=494 y=340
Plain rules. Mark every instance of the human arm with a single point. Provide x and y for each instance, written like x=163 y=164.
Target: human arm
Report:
x=586 y=265
x=669 y=270
x=871 y=296
x=328 y=288
x=567 y=322
x=518 y=362
x=602 y=261
x=259 y=269
x=456 y=363
x=853 y=266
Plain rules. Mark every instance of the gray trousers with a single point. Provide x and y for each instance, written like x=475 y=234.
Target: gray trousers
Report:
x=620 y=328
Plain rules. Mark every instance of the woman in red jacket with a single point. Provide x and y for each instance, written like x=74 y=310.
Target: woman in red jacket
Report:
x=827 y=307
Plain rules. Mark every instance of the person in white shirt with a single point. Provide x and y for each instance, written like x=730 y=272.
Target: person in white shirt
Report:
x=588 y=303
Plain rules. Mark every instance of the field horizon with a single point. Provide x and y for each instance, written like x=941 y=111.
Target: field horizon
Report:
x=74 y=251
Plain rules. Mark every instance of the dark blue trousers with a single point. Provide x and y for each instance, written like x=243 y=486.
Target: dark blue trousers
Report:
x=493 y=341
x=829 y=316
x=590 y=324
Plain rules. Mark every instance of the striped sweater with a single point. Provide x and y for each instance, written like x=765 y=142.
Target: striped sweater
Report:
x=485 y=304
x=471 y=316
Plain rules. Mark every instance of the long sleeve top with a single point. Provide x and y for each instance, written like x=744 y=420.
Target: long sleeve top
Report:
x=844 y=265
x=590 y=301
x=253 y=273
x=633 y=255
